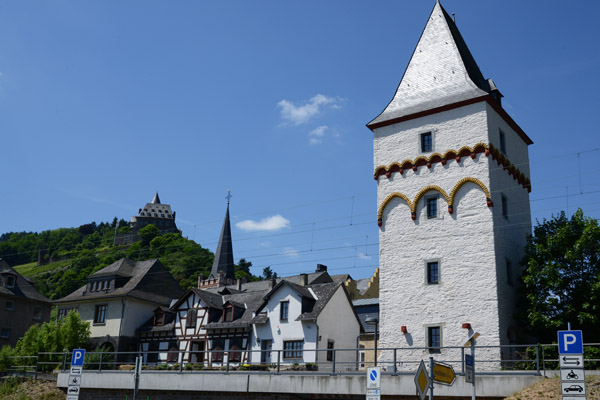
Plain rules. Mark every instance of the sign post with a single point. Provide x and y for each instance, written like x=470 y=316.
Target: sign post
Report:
x=373 y=383
x=74 y=384
x=470 y=363
x=572 y=372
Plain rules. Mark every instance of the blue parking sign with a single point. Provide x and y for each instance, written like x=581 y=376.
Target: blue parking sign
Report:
x=77 y=359
x=570 y=342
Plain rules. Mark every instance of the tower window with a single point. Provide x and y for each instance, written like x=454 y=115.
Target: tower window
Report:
x=433 y=273
x=432 y=211
x=504 y=207
x=426 y=142
x=502 y=142
x=434 y=338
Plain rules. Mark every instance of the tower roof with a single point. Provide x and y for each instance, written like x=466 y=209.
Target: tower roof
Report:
x=224 y=254
x=156 y=199
x=441 y=71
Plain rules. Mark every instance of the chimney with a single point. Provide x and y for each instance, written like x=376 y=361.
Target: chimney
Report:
x=239 y=284
x=200 y=279
x=272 y=283
x=321 y=268
x=304 y=279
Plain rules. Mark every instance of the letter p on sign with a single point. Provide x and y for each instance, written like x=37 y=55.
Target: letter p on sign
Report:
x=570 y=342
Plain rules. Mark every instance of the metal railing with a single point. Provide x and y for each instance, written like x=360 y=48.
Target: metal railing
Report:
x=491 y=360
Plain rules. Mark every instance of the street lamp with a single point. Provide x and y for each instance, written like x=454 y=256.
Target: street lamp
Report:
x=374 y=321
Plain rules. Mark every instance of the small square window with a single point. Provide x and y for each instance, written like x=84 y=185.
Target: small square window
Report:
x=504 y=206
x=10 y=281
x=426 y=142
x=4 y=333
x=37 y=312
x=433 y=273
x=502 y=142
x=100 y=314
x=284 y=309
x=432 y=208
x=10 y=305
x=434 y=339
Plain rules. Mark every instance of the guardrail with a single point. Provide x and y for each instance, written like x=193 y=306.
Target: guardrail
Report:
x=511 y=360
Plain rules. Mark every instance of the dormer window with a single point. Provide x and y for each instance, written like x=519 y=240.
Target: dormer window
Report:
x=159 y=318
x=228 y=314
x=11 y=281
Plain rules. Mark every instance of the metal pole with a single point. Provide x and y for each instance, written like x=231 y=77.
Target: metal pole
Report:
x=473 y=395
x=430 y=378
x=395 y=370
x=375 y=346
x=278 y=361
x=136 y=376
x=333 y=362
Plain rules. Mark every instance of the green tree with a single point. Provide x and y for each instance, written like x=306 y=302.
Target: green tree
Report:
x=561 y=280
x=66 y=334
x=148 y=233
x=268 y=273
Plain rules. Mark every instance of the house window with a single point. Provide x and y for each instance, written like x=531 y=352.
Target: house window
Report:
x=284 y=309
x=153 y=347
x=432 y=209
x=433 y=272
x=293 y=349
x=509 y=278
x=235 y=350
x=434 y=339
x=502 y=142
x=63 y=312
x=173 y=354
x=4 y=333
x=190 y=319
x=100 y=314
x=504 y=206
x=37 y=312
x=426 y=142
x=218 y=345
x=10 y=305
x=159 y=318
x=228 y=314
x=330 y=344
x=10 y=281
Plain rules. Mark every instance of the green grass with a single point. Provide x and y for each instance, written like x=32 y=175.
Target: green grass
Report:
x=32 y=270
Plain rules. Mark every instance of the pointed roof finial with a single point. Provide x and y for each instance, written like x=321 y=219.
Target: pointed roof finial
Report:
x=229 y=196
x=156 y=199
x=223 y=262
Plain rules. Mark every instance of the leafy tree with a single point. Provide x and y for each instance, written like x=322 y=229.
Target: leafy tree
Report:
x=562 y=277
x=268 y=273
x=148 y=233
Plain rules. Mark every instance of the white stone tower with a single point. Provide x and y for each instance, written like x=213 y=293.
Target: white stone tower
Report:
x=452 y=171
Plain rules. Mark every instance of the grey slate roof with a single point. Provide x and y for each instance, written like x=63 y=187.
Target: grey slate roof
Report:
x=23 y=287
x=324 y=292
x=250 y=301
x=366 y=308
x=168 y=326
x=447 y=72
x=146 y=280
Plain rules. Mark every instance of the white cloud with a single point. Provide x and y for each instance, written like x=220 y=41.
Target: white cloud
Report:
x=363 y=256
x=316 y=135
x=273 y=223
x=290 y=252
x=299 y=114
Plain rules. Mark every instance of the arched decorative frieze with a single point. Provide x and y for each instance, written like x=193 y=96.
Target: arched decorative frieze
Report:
x=455 y=155
x=412 y=205
x=385 y=203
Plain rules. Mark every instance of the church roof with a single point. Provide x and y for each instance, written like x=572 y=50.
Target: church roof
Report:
x=224 y=255
x=441 y=71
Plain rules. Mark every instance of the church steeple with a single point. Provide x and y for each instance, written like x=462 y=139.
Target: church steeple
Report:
x=156 y=199
x=224 y=255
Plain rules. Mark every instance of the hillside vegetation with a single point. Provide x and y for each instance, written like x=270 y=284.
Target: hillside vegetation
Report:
x=72 y=254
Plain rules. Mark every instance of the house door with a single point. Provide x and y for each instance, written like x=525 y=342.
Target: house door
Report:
x=265 y=354
x=198 y=349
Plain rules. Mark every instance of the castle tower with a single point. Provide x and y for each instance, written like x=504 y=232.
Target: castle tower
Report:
x=452 y=172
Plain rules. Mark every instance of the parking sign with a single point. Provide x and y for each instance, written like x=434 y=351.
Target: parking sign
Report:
x=570 y=342
x=77 y=359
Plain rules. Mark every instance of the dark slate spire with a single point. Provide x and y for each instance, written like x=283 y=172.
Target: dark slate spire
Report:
x=156 y=199
x=224 y=254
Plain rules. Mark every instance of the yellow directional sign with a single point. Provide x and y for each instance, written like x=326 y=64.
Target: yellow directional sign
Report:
x=422 y=380
x=443 y=373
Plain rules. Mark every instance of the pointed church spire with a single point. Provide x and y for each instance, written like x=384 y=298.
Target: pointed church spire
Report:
x=224 y=255
x=441 y=72
x=156 y=199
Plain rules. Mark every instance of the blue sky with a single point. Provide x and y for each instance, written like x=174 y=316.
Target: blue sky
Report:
x=103 y=103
